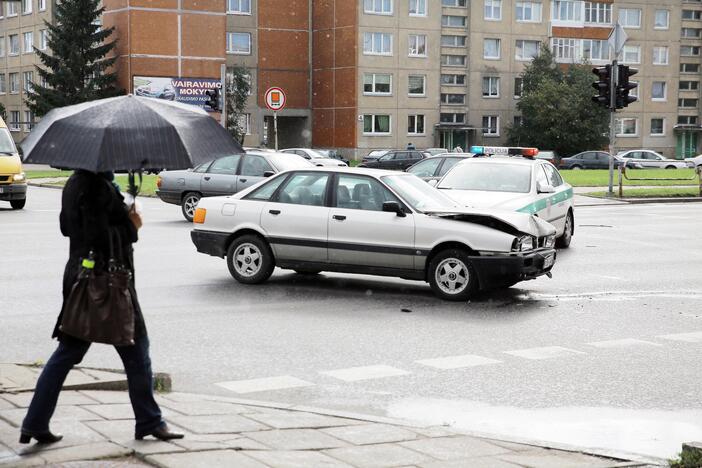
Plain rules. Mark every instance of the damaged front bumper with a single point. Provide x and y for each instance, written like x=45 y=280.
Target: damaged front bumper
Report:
x=499 y=270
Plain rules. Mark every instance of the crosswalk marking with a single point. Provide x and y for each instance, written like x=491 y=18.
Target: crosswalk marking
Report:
x=457 y=362
x=546 y=352
x=268 y=383
x=623 y=343
x=694 y=337
x=354 y=374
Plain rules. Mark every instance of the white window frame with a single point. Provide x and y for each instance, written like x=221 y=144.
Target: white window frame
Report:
x=14 y=85
x=42 y=5
x=455 y=42
x=566 y=49
x=519 y=87
x=374 y=83
x=683 y=65
x=454 y=80
x=26 y=7
x=234 y=7
x=30 y=49
x=373 y=121
x=619 y=126
x=631 y=49
x=2 y=46
x=416 y=124
x=667 y=19
x=493 y=83
x=598 y=9
x=424 y=85
x=230 y=42
x=374 y=10
x=697 y=31
x=454 y=3
x=14 y=123
x=11 y=9
x=28 y=118
x=662 y=119
x=665 y=91
x=454 y=119
x=682 y=100
x=27 y=84
x=3 y=83
x=486 y=129
x=689 y=87
x=373 y=36
x=420 y=8
x=10 y=52
x=446 y=103
x=499 y=48
x=414 y=43
x=448 y=25
x=624 y=14
x=574 y=11
x=534 y=7
x=657 y=50
x=635 y=91
x=43 y=39
x=448 y=64
x=603 y=46
x=495 y=9
x=518 y=48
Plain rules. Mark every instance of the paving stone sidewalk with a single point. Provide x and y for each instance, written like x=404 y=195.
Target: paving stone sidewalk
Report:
x=229 y=432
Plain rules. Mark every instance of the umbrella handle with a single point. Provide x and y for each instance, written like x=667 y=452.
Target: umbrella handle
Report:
x=133 y=188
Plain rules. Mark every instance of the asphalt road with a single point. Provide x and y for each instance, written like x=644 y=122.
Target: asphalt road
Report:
x=605 y=354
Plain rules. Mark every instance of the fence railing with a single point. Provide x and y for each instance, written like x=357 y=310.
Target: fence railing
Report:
x=623 y=175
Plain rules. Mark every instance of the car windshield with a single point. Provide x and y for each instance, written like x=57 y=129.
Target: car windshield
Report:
x=7 y=145
x=420 y=195
x=489 y=178
x=284 y=162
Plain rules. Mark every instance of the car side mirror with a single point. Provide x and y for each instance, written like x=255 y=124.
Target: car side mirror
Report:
x=268 y=173
x=433 y=182
x=541 y=188
x=393 y=207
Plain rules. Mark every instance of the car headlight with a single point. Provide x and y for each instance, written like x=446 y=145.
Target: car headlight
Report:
x=525 y=243
x=550 y=241
x=19 y=177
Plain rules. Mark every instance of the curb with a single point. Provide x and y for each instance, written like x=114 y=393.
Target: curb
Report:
x=60 y=187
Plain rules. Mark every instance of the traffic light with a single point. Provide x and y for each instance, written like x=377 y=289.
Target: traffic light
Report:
x=624 y=86
x=602 y=85
x=213 y=99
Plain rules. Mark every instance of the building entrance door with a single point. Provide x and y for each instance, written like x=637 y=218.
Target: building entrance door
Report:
x=686 y=144
x=450 y=139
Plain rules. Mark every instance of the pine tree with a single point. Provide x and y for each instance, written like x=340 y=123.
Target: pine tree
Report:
x=77 y=69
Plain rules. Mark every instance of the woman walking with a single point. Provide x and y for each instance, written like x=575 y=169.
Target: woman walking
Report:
x=93 y=210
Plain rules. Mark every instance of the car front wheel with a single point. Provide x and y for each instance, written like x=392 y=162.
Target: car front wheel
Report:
x=189 y=204
x=563 y=241
x=452 y=276
x=18 y=204
x=576 y=167
x=250 y=260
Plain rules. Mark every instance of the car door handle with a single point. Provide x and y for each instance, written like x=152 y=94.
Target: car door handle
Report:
x=274 y=212
x=243 y=181
x=207 y=178
x=339 y=217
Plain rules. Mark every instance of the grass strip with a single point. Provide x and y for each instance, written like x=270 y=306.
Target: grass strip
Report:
x=663 y=192
x=600 y=177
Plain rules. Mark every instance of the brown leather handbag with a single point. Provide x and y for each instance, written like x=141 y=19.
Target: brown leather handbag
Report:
x=99 y=307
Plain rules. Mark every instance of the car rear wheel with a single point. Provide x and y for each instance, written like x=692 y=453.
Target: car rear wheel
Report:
x=189 y=204
x=670 y=167
x=563 y=241
x=250 y=260
x=576 y=167
x=452 y=276
x=18 y=204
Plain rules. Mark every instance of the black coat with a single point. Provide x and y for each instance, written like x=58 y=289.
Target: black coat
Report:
x=90 y=206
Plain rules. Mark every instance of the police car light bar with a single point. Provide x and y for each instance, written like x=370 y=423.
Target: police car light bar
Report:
x=504 y=150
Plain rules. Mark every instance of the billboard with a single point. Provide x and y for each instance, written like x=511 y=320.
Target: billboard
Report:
x=186 y=90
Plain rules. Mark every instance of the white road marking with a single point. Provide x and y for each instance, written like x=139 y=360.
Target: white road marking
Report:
x=694 y=337
x=457 y=362
x=261 y=385
x=354 y=374
x=547 y=352
x=623 y=343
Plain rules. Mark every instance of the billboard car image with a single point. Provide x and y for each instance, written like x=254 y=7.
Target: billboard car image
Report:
x=185 y=90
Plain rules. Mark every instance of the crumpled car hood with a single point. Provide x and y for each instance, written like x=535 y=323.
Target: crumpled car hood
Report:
x=522 y=222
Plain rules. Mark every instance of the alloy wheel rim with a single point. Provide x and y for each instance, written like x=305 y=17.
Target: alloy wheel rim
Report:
x=568 y=228
x=452 y=276
x=247 y=260
x=191 y=204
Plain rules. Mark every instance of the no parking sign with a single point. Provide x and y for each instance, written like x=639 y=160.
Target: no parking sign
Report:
x=275 y=98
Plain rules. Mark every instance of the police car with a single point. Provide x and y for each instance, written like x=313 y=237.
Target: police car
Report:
x=513 y=179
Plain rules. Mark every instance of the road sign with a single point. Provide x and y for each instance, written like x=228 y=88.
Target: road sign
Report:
x=617 y=39
x=275 y=99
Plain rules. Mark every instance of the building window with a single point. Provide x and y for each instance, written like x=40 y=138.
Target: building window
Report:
x=27 y=81
x=28 y=42
x=493 y=10
x=26 y=7
x=14 y=83
x=598 y=13
x=527 y=50
x=491 y=49
x=14 y=121
x=658 y=91
x=453 y=41
x=689 y=51
x=630 y=17
x=448 y=21
x=417 y=85
x=661 y=19
x=453 y=3
x=452 y=118
x=377 y=7
x=594 y=49
x=2 y=46
x=691 y=15
x=687 y=102
x=376 y=124
x=631 y=54
x=42 y=5
x=529 y=11
x=377 y=83
x=660 y=56
x=375 y=43
x=418 y=8
x=687 y=120
x=689 y=85
x=417 y=45
x=689 y=68
x=453 y=99
x=453 y=60
x=634 y=91
x=239 y=7
x=491 y=125
x=491 y=86
x=657 y=127
x=3 y=86
x=518 y=87
x=14 y=44
x=564 y=50
x=11 y=8
x=693 y=33
x=453 y=80
x=43 y=39
x=415 y=124
x=567 y=10
x=239 y=43
x=627 y=126
x=28 y=121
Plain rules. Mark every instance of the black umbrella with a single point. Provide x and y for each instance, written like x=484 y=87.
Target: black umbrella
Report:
x=127 y=134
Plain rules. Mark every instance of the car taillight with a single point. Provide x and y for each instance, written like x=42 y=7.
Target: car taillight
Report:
x=200 y=214
x=158 y=181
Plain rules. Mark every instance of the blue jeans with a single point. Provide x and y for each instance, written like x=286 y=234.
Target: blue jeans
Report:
x=70 y=352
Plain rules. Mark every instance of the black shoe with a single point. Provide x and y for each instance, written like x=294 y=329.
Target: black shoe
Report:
x=162 y=432
x=41 y=437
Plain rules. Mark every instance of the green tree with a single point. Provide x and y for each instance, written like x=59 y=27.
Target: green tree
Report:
x=237 y=92
x=557 y=109
x=78 y=69
x=3 y=113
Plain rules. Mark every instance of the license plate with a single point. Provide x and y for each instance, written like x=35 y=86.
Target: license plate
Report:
x=548 y=261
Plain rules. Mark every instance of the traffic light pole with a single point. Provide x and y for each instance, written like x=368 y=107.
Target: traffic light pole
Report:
x=612 y=123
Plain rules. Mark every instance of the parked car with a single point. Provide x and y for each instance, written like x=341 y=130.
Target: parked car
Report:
x=398 y=160
x=589 y=160
x=13 y=182
x=549 y=156
x=374 y=155
x=333 y=154
x=316 y=158
x=435 y=151
x=650 y=159
x=434 y=167
x=520 y=183
x=368 y=221
x=694 y=162
x=223 y=176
